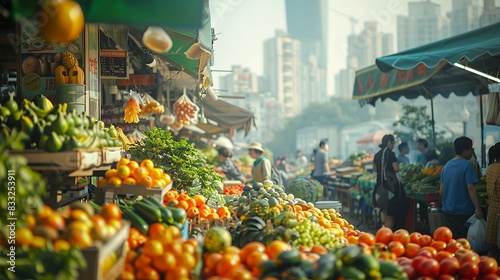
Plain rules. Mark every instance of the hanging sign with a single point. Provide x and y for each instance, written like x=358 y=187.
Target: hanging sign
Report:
x=114 y=64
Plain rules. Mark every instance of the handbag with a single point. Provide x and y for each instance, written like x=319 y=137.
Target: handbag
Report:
x=390 y=180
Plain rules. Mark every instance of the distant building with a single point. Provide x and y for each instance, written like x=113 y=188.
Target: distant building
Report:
x=424 y=24
x=239 y=82
x=464 y=16
x=307 y=21
x=491 y=13
x=282 y=67
x=363 y=49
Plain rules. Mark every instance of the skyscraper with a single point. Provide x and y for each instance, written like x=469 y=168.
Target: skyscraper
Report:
x=282 y=64
x=424 y=24
x=491 y=13
x=240 y=81
x=307 y=22
x=464 y=16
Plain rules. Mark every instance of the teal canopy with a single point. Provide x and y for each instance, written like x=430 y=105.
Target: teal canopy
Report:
x=473 y=46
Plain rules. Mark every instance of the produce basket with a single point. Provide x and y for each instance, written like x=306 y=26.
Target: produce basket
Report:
x=95 y=255
x=78 y=159
x=107 y=193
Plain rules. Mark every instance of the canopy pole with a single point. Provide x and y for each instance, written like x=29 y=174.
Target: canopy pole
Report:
x=483 y=147
x=433 y=127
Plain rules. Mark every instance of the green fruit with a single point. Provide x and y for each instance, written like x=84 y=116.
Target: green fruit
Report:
x=54 y=143
x=217 y=239
x=294 y=273
x=112 y=132
x=349 y=253
x=11 y=104
x=42 y=102
x=391 y=269
x=27 y=125
x=352 y=273
x=367 y=264
x=288 y=258
x=60 y=124
x=72 y=143
x=43 y=141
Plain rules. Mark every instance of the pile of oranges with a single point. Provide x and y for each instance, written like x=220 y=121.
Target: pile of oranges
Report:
x=130 y=172
x=163 y=255
x=195 y=206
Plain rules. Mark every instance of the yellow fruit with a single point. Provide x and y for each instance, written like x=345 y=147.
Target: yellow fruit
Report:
x=115 y=181
x=148 y=164
x=111 y=173
x=122 y=161
x=129 y=181
x=102 y=182
x=61 y=21
x=123 y=172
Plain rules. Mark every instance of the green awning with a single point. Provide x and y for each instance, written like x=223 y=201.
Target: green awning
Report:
x=228 y=115
x=474 y=46
x=185 y=14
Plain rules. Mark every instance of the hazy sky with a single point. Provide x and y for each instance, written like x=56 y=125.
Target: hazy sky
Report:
x=245 y=24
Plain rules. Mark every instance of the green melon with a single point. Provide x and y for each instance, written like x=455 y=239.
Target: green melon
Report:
x=217 y=239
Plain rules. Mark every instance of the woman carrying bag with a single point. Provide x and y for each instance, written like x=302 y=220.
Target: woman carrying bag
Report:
x=389 y=194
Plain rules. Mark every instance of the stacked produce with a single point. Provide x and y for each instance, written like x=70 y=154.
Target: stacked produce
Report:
x=421 y=180
x=195 y=206
x=69 y=72
x=161 y=253
x=235 y=190
x=150 y=106
x=50 y=243
x=50 y=128
x=308 y=190
x=130 y=172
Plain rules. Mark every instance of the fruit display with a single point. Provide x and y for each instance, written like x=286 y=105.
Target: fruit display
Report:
x=236 y=190
x=421 y=180
x=51 y=128
x=150 y=106
x=185 y=111
x=195 y=206
x=69 y=72
x=131 y=172
x=160 y=254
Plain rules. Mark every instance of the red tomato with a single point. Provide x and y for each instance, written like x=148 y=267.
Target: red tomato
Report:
x=470 y=257
x=490 y=276
x=401 y=235
x=487 y=265
x=403 y=260
x=449 y=266
x=411 y=250
x=454 y=246
x=429 y=268
x=426 y=253
x=397 y=248
x=443 y=234
x=445 y=277
x=417 y=260
x=469 y=270
x=410 y=271
x=415 y=237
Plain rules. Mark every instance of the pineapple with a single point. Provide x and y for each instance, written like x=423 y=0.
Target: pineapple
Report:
x=69 y=60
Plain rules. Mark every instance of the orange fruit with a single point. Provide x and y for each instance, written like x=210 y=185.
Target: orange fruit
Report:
x=111 y=173
x=158 y=183
x=146 y=181
x=61 y=245
x=367 y=238
x=156 y=173
x=276 y=247
x=183 y=196
x=199 y=199
x=115 y=181
x=147 y=273
x=123 y=172
x=102 y=182
x=165 y=262
x=174 y=231
x=30 y=221
x=384 y=235
x=213 y=216
x=140 y=173
x=191 y=202
x=170 y=195
x=130 y=181
x=152 y=248
x=192 y=212
x=183 y=204
x=133 y=165
x=148 y=164
x=24 y=236
x=255 y=258
x=122 y=161
x=166 y=178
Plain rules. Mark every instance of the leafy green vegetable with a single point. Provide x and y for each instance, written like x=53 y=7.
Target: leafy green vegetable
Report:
x=308 y=190
x=184 y=163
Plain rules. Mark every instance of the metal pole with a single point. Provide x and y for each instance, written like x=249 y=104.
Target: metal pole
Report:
x=483 y=147
x=433 y=127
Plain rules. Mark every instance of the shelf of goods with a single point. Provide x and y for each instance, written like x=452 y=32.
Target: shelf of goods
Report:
x=108 y=193
x=96 y=255
x=67 y=171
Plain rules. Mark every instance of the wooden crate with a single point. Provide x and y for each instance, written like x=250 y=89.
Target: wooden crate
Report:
x=107 y=193
x=229 y=223
x=111 y=154
x=95 y=255
x=78 y=159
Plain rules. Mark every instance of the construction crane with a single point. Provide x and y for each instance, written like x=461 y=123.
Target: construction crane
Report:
x=353 y=20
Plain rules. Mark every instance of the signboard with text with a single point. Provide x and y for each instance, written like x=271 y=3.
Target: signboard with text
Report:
x=114 y=64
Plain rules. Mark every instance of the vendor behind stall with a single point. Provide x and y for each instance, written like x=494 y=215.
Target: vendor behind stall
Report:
x=228 y=167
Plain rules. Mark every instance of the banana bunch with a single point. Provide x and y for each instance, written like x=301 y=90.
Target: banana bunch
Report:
x=123 y=138
x=151 y=107
x=132 y=111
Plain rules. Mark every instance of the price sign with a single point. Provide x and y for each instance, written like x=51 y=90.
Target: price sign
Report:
x=114 y=64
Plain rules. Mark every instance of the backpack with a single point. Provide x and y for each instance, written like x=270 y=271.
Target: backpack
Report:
x=276 y=176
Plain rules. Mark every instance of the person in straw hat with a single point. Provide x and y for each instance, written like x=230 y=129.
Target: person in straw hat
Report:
x=261 y=169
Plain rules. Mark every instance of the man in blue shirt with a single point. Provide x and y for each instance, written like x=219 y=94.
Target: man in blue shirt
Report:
x=404 y=149
x=458 y=192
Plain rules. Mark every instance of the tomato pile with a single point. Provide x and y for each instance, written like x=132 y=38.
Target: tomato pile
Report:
x=234 y=190
x=432 y=257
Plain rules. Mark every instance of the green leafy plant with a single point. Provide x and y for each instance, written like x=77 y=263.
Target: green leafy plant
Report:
x=417 y=120
x=446 y=151
x=187 y=167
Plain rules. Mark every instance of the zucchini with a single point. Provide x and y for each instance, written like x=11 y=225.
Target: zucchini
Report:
x=166 y=215
x=136 y=220
x=94 y=206
x=148 y=211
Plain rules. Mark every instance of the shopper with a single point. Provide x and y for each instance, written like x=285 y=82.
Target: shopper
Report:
x=458 y=192
x=427 y=157
x=493 y=189
x=261 y=169
x=321 y=167
x=389 y=194
x=404 y=149
x=301 y=161
x=228 y=167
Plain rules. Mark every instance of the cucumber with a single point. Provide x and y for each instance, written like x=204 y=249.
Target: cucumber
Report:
x=136 y=220
x=166 y=215
x=148 y=211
